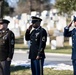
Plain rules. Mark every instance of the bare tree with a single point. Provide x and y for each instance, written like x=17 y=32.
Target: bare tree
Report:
x=32 y=5
x=1 y=8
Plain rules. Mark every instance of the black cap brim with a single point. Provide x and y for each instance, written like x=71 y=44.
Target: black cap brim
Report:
x=36 y=18
x=6 y=21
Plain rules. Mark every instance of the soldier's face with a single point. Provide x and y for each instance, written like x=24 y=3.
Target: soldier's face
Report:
x=1 y=26
x=36 y=25
x=4 y=26
x=75 y=23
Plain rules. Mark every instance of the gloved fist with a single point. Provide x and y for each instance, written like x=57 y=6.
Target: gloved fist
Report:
x=30 y=27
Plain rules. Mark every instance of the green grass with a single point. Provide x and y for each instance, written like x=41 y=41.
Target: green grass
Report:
x=65 y=50
x=19 y=44
x=61 y=51
x=18 y=70
x=47 y=71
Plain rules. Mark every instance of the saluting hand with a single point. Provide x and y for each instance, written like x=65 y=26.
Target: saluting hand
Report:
x=70 y=24
x=30 y=27
x=37 y=57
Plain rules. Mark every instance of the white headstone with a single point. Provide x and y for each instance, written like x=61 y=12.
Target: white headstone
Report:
x=11 y=24
x=61 y=23
x=60 y=41
x=23 y=22
x=44 y=13
x=16 y=31
x=50 y=24
x=70 y=41
x=57 y=33
x=48 y=41
x=53 y=44
x=26 y=43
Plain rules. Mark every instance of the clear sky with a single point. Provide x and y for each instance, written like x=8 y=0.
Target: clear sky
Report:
x=12 y=3
x=52 y=1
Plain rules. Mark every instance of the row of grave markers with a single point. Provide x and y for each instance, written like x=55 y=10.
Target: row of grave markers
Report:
x=54 y=43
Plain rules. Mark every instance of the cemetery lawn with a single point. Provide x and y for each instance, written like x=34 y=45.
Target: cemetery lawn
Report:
x=47 y=71
x=67 y=49
x=19 y=45
x=18 y=70
x=62 y=50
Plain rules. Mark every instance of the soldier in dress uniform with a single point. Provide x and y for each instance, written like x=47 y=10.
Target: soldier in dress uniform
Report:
x=37 y=37
x=72 y=33
x=7 y=41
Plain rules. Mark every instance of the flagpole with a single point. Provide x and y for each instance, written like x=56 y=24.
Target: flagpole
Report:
x=1 y=8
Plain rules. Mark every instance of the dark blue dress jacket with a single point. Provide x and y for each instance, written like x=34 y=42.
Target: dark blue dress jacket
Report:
x=38 y=42
x=72 y=34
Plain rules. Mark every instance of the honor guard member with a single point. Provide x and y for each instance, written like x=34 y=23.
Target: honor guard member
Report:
x=37 y=37
x=72 y=33
x=7 y=41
